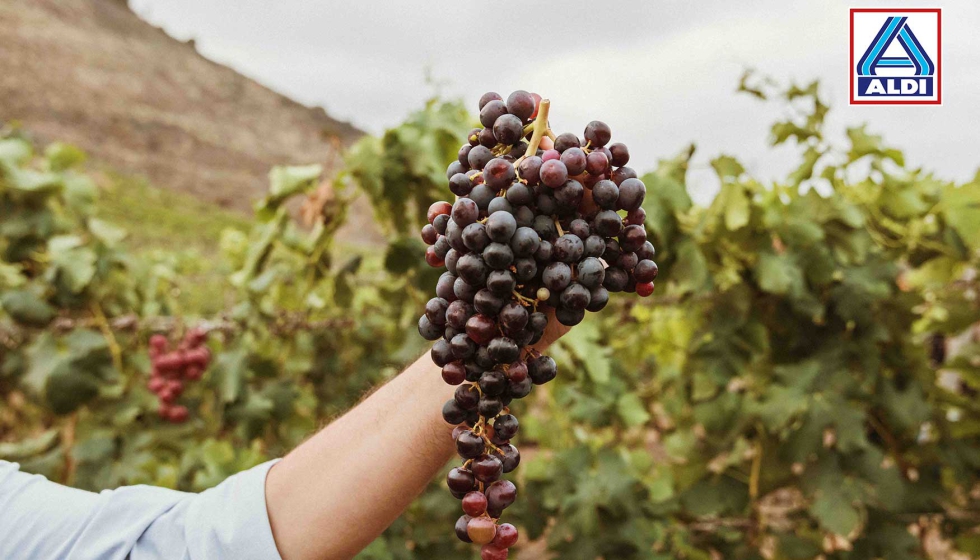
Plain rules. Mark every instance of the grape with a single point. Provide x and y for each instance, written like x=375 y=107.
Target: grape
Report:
x=491 y=111
x=507 y=129
x=596 y=163
x=553 y=173
x=644 y=289
x=481 y=530
x=620 y=154
x=519 y=195
x=566 y=140
x=468 y=444
x=574 y=160
x=487 y=468
x=530 y=170
x=631 y=194
x=453 y=373
x=605 y=193
x=525 y=233
x=501 y=227
x=597 y=134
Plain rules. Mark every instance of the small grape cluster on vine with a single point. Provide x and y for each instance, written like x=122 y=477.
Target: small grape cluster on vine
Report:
x=173 y=369
x=540 y=222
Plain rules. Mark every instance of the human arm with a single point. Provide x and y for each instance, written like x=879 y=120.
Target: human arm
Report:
x=343 y=487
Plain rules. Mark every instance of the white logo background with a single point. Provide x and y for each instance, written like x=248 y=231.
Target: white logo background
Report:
x=925 y=27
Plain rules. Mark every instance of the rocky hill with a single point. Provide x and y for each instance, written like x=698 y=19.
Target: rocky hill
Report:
x=92 y=73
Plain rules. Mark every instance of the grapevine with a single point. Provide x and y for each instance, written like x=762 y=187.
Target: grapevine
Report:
x=543 y=228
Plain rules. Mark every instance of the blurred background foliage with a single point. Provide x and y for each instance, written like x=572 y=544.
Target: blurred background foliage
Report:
x=803 y=385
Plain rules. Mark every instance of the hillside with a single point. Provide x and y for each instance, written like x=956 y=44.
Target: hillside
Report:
x=92 y=73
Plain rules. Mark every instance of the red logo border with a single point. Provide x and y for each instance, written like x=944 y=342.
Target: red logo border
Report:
x=939 y=58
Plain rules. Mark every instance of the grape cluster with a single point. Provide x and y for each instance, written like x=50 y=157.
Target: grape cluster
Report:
x=540 y=221
x=171 y=369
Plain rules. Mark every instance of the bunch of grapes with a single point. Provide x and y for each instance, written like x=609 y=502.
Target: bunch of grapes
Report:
x=171 y=369
x=540 y=222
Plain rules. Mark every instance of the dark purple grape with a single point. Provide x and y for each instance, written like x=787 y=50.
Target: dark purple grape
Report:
x=500 y=495
x=605 y=193
x=546 y=203
x=596 y=163
x=487 y=139
x=468 y=398
x=498 y=256
x=556 y=276
x=474 y=137
x=509 y=457
x=461 y=480
x=475 y=237
x=444 y=287
x=645 y=271
x=472 y=270
x=489 y=303
x=608 y=223
x=538 y=322
x=631 y=194
x=490 y=406
x=626 y=261
x=465 y=212
x=458 y=313
x=524 y=216
x=498 y=173
x=597 y=134
x=542 y=370
x=590 y=272
x=491 y=111
x=428 y=330
x=520 y=389
x=506 y=426
x=569 y=317
x=429 y=234
x=594 y=246
x=568 y=249
x=501 y=227
x=508 y=129
x=524 y=242
x=570 y=194
x=454 y=168
x=481 y=328
x=501 y=282
x=616 y=279
x=442 y=352
x=621 y=174
x=598 y=299
x=503 y=350
x=441 y=223
x=646 y=251
x=553 y=173
x=462 y=525
x=493 y=382
x=637 y=217
x=452 y=413
x=454 y=373
x=526 y=267
x=574 y=160
x=461 y=156
x=632 y=238
x=435 y=311
x=462 y=346
x=513 y=316
x=567 y=140
x=579 y=228
x=469 y=445
x=521 y=104
x=575 y=297
x=488 y=97
x=519 y=194
x=545 y=249
x=479 y=156
x=460 y=184
x=530 y=170
x=620 y=154
x=487 y=468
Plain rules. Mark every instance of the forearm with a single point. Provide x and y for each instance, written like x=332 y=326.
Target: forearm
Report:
x=339 y=490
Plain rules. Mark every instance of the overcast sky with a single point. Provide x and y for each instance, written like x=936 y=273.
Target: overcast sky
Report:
x=661 y=74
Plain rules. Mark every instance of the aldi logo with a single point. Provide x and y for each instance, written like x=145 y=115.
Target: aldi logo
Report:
x=896 y=56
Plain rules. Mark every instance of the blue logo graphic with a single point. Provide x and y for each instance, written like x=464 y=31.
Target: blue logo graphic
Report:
x=917 y=83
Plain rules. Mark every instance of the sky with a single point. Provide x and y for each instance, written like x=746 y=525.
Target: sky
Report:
x=662 y=74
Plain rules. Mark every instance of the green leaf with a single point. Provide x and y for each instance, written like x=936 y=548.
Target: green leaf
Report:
x=29 y=447
x=66 y=389
x=961 y=207
x=27 y=308
x=285 y=181
x=105 y=232
x=727 y=167
x=632 y=410
x=777 y=274
x=62 y=156
x=404 y=254
x=835 y=513
x=231 y=371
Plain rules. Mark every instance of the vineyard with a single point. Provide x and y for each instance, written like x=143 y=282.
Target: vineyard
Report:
x=802 y=383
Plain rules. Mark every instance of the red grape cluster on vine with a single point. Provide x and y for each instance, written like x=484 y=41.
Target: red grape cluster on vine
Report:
x=540 y=222
x=172 y=369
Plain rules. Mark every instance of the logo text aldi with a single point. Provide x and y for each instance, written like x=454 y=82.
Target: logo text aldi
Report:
x=896 y=56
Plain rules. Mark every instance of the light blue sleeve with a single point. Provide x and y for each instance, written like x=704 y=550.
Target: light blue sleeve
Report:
x=41 y=520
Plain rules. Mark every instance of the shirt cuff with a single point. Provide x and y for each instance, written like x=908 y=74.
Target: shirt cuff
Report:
x=231 y=519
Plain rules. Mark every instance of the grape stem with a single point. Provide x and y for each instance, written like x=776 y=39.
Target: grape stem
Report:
x=540 y=127
x=558 y=225
x=525 y=300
